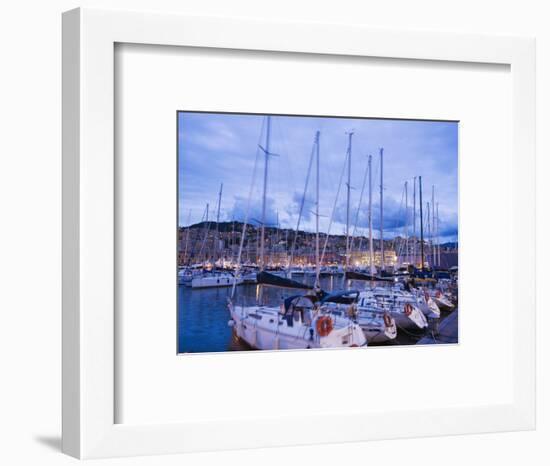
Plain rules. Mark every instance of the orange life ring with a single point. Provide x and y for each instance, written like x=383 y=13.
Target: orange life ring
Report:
x=387 y=320
x=324 y=326
x=408 y=309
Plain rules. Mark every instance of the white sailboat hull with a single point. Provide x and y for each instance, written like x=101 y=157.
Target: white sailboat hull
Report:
x=376 y=331
x=394 y=303
x=184 y=279
x=415 y=321
x=429 y=308
x=257 y=327
x=215 y=281
x=186 y=274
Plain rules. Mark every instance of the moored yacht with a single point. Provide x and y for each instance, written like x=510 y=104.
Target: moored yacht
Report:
x=405 y=313
x=442 y=301
x=377 y=325
x=215 y=279
x=425 y=302
x=297 y=324
x=186 y=274
x=418 y=298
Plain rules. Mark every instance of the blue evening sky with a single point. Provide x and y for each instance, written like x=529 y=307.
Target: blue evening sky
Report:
x=221 y=148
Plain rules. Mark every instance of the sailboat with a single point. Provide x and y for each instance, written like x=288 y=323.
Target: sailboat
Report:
x=420 y=299
x=299 y=322
x=215 y=279
x=382 y=276
x=425 y=303
x=377 y=325
x=404 y=310
x=442 y=300
x=186 y=274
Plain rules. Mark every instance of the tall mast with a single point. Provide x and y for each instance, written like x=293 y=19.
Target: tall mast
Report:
x=302 y=203
x=317 y=258
x=421 y=225
x=278 y=229
x=257 y=244
x=429 y=233
x=437 y=233
x=407 y=220
x=266 y=163
x=272 y=251
x=232 y=242
x=202 y=252
x=348 y=201
x=217 y=246
x=414 y=220
x=207 y=228
x=433 y=225
x=244 y=233
x=382 y=207
x=286 y=241
x=371 y=248
x=357 y=212
x=334 y=206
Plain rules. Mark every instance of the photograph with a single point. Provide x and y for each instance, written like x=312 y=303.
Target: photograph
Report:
x=255 y=224
x=308 y=232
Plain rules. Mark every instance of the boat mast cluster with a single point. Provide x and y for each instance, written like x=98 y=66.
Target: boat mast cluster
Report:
x=346 y=317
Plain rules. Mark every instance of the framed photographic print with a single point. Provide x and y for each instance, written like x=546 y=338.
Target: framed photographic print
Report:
x=299 y=258
x=266 y=231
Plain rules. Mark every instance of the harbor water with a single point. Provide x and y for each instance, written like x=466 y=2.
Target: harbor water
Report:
x=203 y=314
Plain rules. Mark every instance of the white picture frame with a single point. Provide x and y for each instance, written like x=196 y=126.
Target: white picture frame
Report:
x=89 y=38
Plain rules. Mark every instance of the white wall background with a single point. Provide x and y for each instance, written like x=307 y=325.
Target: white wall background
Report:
x=30 y=225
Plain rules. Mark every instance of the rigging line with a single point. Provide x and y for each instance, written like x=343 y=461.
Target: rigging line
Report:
x=286 y=172
x=396 y=222
x=283 y=174
x=288 y=152
x=330 y=174
x=401 y=208
x=375 y=205
x=334 y=207
x=206 y=231
x=194 y=241
x=247 y=212
x=358 y=210
x=301 y=207
x=361 y=237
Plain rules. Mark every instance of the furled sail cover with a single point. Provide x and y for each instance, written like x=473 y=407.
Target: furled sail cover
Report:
x=367 y=277
x=341 y=297
x=266 y=278
x=299 y=300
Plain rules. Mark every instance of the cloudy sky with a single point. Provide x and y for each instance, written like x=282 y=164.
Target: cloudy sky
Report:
x=224 y=148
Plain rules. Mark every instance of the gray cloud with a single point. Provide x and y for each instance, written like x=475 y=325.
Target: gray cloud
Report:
x=215 y=148
x=239 y=210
